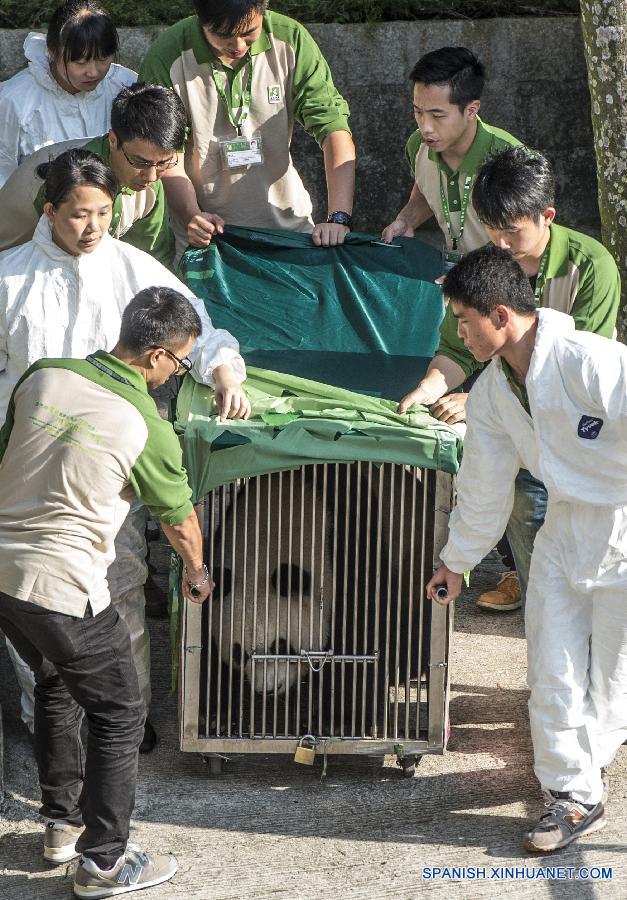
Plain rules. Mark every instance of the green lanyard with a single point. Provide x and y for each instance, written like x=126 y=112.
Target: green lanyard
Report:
x=247 y=94
x=541 y=276
x=462 y=213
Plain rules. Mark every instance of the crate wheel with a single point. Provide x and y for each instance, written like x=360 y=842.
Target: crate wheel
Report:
x=408 y=766
x=213 y=763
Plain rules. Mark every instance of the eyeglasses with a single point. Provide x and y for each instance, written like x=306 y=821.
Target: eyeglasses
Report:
x=144 y=164
x=184 y=365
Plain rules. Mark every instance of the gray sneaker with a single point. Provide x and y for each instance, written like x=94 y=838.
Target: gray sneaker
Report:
x=60 y=841
x=565 y=821
x=132 y=872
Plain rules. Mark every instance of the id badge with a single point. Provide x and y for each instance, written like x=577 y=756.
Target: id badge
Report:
x=241 y=152
x=450 y=258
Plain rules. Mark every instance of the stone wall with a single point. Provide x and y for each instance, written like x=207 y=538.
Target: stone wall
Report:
x=536 y=89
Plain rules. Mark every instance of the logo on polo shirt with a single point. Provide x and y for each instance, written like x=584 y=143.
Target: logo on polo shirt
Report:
x=274 y=93
x=589 y=427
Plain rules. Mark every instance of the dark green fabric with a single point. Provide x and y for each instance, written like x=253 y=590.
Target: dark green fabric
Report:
x=295 y=422
x=360 y=316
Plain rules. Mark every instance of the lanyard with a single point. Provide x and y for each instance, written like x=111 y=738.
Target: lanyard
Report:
x=541 y=276
x=228 y=100
x=99 y=365
x=462 y=213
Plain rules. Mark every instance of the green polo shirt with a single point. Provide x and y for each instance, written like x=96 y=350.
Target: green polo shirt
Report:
x=518 y=389
x=80 y=438
x=581 y=279
x=291 y=82
x=430 y=172
x=139 y=217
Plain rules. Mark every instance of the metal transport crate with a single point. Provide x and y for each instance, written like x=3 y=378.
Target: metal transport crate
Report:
x=319 y=624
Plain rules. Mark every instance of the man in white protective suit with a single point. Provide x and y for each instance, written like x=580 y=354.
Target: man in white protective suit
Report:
x=554 y=401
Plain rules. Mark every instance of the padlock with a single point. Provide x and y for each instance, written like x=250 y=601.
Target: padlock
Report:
x=306 y=755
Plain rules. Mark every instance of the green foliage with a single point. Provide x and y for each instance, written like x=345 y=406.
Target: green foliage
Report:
x=35 y=13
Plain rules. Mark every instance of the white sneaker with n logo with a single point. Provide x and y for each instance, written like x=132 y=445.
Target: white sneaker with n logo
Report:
x=132 y=872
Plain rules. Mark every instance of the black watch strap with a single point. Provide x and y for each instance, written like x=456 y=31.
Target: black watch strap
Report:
x=340 y=218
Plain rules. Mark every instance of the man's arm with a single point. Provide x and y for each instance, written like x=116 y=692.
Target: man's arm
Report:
x=186 y=539
x=415 y=212
x=485 y=484
x=183 y=204
x=442 y=375
x=339 y=164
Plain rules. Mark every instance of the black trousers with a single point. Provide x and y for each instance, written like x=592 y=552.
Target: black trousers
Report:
x=82 y=665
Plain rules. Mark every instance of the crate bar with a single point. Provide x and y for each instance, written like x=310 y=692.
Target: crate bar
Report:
x=425 y=543
x=399 y=596
x=253 y=679
x=345 y=596
x=388 y=595
x=364 y=671
x=290 y=550
x=334 y=589
x=208 y=531
x=312 y=584
x=242 y=661
x=415 y=475
x=440 y=486
x=277 y=595
x=323 y=576
x=356 y=604
x=377 y=599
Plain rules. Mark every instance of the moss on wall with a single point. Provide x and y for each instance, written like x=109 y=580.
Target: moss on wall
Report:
x=35 y=13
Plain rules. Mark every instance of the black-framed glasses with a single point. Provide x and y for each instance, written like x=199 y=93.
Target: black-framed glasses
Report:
x=143 y=165
x=184 y=365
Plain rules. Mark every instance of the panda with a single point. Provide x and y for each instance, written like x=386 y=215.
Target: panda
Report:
x=349 y=555
x=273 y=594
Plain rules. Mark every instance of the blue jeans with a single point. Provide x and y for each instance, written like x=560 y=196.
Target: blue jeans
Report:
x=525 y=521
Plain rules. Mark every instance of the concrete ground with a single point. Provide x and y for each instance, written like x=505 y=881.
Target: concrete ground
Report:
x=267 y=828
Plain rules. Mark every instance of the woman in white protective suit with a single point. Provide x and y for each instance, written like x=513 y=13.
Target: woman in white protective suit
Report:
x=62 y=294
x=68 y=87
x=554 y=401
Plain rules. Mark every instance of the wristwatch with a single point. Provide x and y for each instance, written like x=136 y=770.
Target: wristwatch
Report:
x=340 y=218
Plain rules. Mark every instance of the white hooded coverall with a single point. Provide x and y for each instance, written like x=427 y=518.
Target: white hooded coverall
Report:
x=56 y=305
x=36 y=111
x=576 y=615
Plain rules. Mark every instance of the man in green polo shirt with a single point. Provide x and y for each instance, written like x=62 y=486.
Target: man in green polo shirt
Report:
x=81 y=439
x=245 y=76
x=514 y=198
x=148 y=125
x=446 y=150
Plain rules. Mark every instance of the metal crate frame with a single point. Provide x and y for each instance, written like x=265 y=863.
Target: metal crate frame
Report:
x=191 y=669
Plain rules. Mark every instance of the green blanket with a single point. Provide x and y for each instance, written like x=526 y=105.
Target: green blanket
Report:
x=296 y=421
x=362 y=316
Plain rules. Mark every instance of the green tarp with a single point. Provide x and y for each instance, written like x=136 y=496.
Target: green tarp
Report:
x=363 y=316
x=297 y=421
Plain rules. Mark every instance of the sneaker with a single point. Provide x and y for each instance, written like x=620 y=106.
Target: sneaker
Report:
x=565 y=821
x=505 y=597
x=132 y=872
x=60 y=841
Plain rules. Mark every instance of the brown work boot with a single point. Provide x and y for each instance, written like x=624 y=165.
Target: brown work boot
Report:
x=505 y=597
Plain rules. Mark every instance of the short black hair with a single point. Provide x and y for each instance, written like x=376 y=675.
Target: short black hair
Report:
x=75 y=168
x=158 y=317
x=228 y=16
x=81 y=29
x=514 y=184
x=487 y=278
x=149 y=112
x=456 y=67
